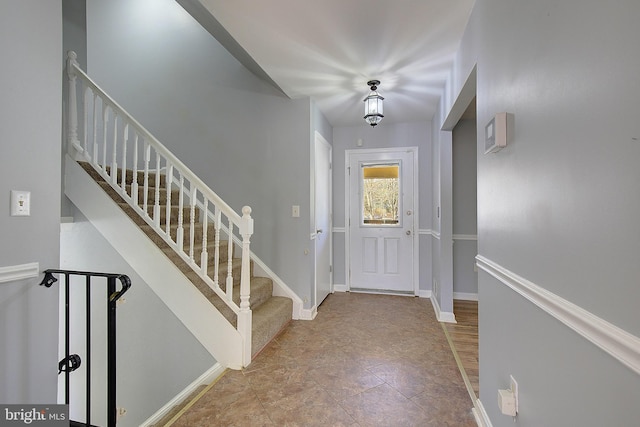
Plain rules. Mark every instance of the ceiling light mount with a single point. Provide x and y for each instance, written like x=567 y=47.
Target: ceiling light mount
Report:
x=373 y=104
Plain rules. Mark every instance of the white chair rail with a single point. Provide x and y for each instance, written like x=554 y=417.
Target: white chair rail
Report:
x=103 y=134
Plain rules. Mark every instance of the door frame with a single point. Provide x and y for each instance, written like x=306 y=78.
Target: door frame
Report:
x=347 y=204
x=319 y=139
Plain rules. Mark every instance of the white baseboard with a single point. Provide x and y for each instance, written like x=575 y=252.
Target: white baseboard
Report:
x=424 y=293
x=465 y=296
x=340 y=288
x=13 y=273
x=442 y=316
x=206 y=378
x=480 y=414
x=308 y=313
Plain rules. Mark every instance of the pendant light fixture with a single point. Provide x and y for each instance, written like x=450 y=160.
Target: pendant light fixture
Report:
x=373 y=104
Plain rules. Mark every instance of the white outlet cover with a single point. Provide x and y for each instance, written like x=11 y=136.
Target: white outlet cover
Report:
x=20 y=203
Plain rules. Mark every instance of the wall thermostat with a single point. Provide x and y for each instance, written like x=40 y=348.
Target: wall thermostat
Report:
x=495 y=134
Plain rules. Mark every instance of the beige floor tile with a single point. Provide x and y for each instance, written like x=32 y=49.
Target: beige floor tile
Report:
x=366 y=360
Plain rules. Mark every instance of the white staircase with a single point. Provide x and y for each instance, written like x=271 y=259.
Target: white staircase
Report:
x=173 y=210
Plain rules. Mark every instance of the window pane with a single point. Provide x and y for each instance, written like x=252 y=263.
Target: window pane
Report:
x=380 y=194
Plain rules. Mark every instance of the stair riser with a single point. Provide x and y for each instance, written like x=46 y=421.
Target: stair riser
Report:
x=162 y=199
x=236 y=272
x=186 y=214
x=198 y=232
x=129 y=177
x=223 y=252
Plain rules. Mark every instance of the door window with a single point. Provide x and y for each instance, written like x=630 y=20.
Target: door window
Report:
x=380 y=201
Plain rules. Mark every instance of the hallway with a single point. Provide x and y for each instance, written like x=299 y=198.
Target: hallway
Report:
x=366 y=360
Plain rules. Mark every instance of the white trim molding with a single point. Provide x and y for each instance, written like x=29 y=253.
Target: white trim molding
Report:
x=14 y=273
x=465 y=237
x=480 y=414
x=424 y=293
x=207 y=378
x=464 y=296
x=617 y=342
x=340 y=288
x=426 y=232
x=308 y=313
x=442 y=316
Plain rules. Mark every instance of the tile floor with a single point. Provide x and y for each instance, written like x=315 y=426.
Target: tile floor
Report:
x=366 y=360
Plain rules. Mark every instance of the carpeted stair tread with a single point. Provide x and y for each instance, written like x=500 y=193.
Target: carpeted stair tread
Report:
x=261 y=289
x=197 y=236
x=223 y=251
x=223 y=267
x=151 y=194
x=186 y=215
x=268 y=320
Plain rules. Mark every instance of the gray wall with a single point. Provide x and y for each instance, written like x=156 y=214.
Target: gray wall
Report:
x=30 y=45
x=560 y=205
x=151 y=368
x=416 y=134
x=240 y=135
x=465 y=247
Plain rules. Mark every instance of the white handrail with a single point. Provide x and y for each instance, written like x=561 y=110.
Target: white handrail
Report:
x=108 y=126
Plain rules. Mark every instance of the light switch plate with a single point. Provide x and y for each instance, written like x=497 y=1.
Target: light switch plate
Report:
x=295 y=211
x=20 y=203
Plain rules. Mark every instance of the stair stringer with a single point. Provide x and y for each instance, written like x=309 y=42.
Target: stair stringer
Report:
x=199 y=316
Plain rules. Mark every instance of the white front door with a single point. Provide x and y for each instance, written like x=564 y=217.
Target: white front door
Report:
x=382 y=220
x=322 y=209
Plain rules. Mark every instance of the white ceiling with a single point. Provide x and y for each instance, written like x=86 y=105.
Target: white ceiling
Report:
x=329 y=49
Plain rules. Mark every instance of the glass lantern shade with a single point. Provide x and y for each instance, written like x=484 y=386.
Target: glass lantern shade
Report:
x=373 y=108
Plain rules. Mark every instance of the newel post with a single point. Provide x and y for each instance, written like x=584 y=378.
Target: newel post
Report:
x=73 y=143
x=244 y=316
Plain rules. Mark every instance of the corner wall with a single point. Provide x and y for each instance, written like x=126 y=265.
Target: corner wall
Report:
x=30 y=130
x=558 y=207
x=241 y=136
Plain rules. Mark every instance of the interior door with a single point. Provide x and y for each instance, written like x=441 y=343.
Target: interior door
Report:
x=322 y=183
x=381 y=221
